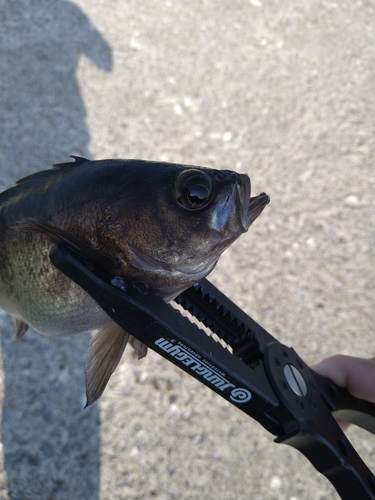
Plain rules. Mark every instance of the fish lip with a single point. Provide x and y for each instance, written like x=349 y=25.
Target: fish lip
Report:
x=232 y=213
x=243 y=188
x=251 y=207
x=256 y=206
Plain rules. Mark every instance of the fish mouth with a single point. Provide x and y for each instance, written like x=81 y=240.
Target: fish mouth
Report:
x=251 y=208
x=256 y=207
x=238 y=210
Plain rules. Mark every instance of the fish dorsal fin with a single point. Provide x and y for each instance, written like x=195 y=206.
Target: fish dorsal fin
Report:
x=105 y=351
x=45 y=174
x=57 y=235
x=20 y=328
x=78 y=160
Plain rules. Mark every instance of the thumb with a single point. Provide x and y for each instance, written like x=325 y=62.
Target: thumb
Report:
x=357 y=375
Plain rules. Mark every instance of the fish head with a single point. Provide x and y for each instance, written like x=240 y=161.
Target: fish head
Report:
x=174 y=222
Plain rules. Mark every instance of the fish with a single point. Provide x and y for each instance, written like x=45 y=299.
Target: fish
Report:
x=162 y=224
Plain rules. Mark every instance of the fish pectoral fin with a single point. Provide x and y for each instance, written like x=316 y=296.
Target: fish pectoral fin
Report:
x=20 y=328
x=105 y=351
x=57 y=235
x=138 y=346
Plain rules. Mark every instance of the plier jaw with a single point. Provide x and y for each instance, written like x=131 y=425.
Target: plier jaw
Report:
x=253 y=371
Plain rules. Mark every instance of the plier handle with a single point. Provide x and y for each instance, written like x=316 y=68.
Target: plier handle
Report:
x=247 y=366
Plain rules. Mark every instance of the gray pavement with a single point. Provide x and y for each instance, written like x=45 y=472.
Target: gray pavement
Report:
x=282 y=90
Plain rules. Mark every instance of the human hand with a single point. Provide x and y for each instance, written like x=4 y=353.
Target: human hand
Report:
x=357 y=375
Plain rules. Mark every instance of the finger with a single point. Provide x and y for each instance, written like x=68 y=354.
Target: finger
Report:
x=356 y=374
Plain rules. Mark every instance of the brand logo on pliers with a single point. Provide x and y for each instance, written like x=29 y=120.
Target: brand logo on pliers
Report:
x=240 y=395
x=203 y=368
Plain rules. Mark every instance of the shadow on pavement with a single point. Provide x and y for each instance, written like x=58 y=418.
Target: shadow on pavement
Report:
x=51 y=445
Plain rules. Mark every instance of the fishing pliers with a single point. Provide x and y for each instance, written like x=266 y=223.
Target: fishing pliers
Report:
x=241 y=362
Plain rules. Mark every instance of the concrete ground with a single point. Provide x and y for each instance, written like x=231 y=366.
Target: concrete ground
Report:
x=282 y=90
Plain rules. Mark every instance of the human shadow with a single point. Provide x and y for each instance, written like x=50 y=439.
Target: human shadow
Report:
x=51 y=446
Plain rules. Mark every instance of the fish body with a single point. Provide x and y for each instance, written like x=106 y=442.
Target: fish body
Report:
x=162 y=224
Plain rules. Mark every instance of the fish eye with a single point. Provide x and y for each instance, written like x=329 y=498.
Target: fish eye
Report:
x=193 y=189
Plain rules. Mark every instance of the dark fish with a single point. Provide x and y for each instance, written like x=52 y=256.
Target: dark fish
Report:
x=163 y=224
